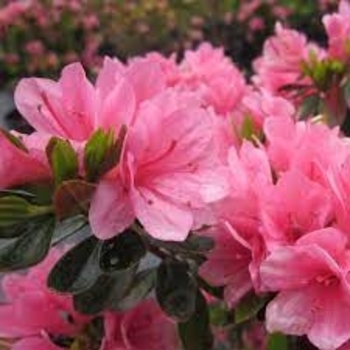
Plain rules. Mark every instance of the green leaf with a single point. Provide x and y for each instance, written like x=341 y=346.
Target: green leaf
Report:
x=30 y=248
x=16 y=141
x=73 y=198
x=176 y=289
x=122 y=252
x=102 y=153
x=63 y=160
x=78 y=269
x=17 y=192
x=106 y=292
x=142 y=285
x=277 y=341
x=14 y=210
x=248 y=128
x=195 y=333
x=309 y=107
x=249 y=307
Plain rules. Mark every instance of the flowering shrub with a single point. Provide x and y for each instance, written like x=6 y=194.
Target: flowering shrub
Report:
x=39 y=37
x=202 y=206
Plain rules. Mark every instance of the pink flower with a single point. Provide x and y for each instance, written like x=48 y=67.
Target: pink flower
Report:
x=73 y=108
x=214 y=76
x=314 y=292
x=337 y=26
x=281 y=62
x=239 y=246
x=304 y=146
x=228 y=265
x=169 y=168
x=286 y=218
x=18 y=166
x=33 y=315
x=260 y=105
x=144 y=327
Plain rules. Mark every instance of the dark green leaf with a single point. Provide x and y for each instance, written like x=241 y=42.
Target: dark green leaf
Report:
x=68 y=228
x=17 y=192
x=14 y=210
x=102 y=153
x=122 y=252
x=249 y=307
x=73 y=198
x=176 y=289
x=106 y=292
x=196 y=334
x=78 y=269
x=277 y=341
x=63 y=160
x=30 y=248
x=142 y=285
x=309 y=107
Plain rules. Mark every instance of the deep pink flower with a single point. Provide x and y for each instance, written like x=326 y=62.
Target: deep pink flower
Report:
x=144 y=327
x=314 y=291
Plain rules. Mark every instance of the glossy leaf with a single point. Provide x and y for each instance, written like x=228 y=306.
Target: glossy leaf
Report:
x=78 y=269
x=195 y=333
x=106 y=292
x=122 y=252
x=142 y=285
x=176 y=289
x=30 y=247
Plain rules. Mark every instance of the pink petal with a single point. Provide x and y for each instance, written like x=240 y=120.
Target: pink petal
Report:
x=292 y=267
x=291 y=312
x=331 y=327
x=146 y=78
x=35 y=343
x=161 y=218
x=146 y=327
x=118 y=107
x=12 y=163
x=110 y=211
x=38 y=100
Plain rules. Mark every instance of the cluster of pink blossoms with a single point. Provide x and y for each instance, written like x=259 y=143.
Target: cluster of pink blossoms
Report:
x=277 y=200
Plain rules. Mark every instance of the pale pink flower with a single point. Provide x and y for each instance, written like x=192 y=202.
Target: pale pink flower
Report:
x=337 y=26
x=144 y=327
x=314 y=292
x=33 y=315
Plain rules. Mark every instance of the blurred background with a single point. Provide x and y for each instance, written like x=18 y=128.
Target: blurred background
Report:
x=39 y=37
